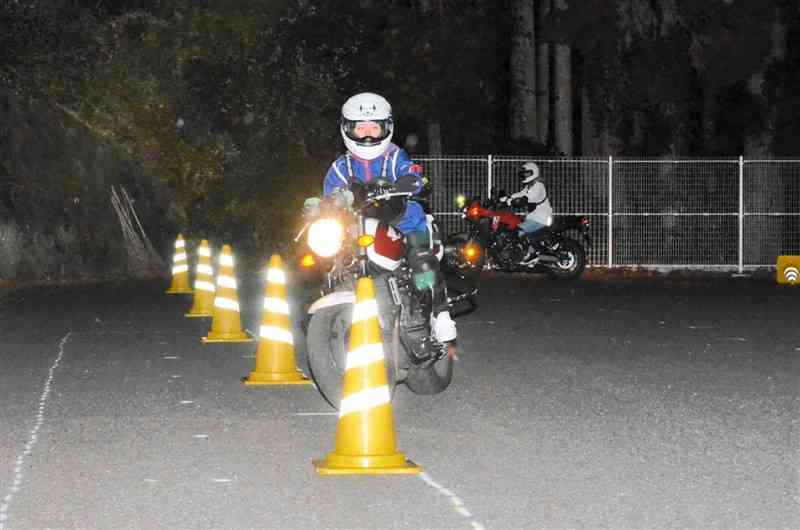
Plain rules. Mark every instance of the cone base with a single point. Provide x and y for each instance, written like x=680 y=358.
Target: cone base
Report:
x=199 y=315
x=395 y=464
x=179 y=291
x=269 y=378
x=227 y=337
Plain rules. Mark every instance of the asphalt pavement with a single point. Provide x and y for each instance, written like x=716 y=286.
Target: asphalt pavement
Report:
x=610 y=402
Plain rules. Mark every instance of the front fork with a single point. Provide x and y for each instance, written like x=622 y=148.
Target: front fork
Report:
x=363 y=258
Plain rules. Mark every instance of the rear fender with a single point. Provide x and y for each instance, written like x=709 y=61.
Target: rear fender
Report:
x=335 y=298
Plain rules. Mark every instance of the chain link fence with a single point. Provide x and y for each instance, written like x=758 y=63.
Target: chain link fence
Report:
x=686 y=213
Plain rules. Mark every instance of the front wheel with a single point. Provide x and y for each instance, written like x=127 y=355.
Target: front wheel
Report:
x=328 y=340
x=571 y=260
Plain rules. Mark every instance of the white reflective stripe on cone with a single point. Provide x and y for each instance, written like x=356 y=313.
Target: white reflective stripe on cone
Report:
x=226 y=303
x=364 y=400
x=365 y=309
x=276 y=276
x=179 y=257
x=226 y=281
x=205 y=269
x=364 y=355
x=277 y=334
x=226 y=259
x=177 y=269
x=203 y=285
x=204 y=251
x=276 y=305
x=180 y=243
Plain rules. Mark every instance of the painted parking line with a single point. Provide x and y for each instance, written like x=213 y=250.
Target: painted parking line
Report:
x=34 y=436
x=455 y=501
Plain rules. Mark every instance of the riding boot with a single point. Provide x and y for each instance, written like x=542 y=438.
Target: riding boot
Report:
x=428 y=276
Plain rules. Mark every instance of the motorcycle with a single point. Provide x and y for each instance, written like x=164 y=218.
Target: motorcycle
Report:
x=348 y=237
x=492 y=241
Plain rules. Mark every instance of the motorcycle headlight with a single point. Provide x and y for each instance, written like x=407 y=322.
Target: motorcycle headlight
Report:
x=325 y=237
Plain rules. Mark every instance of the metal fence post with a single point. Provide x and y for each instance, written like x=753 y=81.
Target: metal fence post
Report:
x=489 y=177
x=610 y=212
x=741 y=214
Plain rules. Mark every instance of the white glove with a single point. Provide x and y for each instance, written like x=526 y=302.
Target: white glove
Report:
x=343 y=197
x=311 y=205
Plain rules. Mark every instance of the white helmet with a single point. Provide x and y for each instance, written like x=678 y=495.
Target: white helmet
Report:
x=367 y=107
x=528 y=172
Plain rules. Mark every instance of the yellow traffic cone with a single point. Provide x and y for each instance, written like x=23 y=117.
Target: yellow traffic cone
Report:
x=203 y=305
x=275 y=362
x=365 y=437
x=227 y=325
x=180 y=269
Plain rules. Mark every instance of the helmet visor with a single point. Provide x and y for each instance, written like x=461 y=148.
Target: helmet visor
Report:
x=367 y=132
x=525 y=173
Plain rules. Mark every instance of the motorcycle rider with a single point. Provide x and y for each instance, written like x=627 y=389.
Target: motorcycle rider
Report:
x=540 y=212
x=367 y=126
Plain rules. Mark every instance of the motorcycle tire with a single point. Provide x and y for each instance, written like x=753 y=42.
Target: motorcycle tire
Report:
x=327 y=342
x=455 y=262
x=572 y=268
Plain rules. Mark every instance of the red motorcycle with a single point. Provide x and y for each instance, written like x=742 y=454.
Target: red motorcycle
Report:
x=492 y=241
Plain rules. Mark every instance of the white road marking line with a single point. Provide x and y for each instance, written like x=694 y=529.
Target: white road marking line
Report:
x=187 y=402
x=176 y=376
x=171 y=357
x=221 y=480
x=200 y=436
x=18 y=468
x=150 y=480
x=458 y=504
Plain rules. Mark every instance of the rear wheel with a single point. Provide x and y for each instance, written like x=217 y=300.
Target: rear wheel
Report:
x=571 y=260
x=431 y=380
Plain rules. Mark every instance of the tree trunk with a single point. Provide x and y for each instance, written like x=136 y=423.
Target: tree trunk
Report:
x=587 y=126
x=434 y=139
x=523 y=72
x=563 y=95
x=543 y=79
x=763 y=183
x=564 y=99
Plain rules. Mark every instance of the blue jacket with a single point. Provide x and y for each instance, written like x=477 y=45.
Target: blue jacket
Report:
x=397 y=163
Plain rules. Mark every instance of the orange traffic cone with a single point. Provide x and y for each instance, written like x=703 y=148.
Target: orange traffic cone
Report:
x=365 y=438
x=180 y=269
x=275 y=363
x=227 y=325
x=203 y=305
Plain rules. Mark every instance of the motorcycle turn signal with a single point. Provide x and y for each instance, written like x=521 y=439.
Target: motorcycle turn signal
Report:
x=366 y=240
